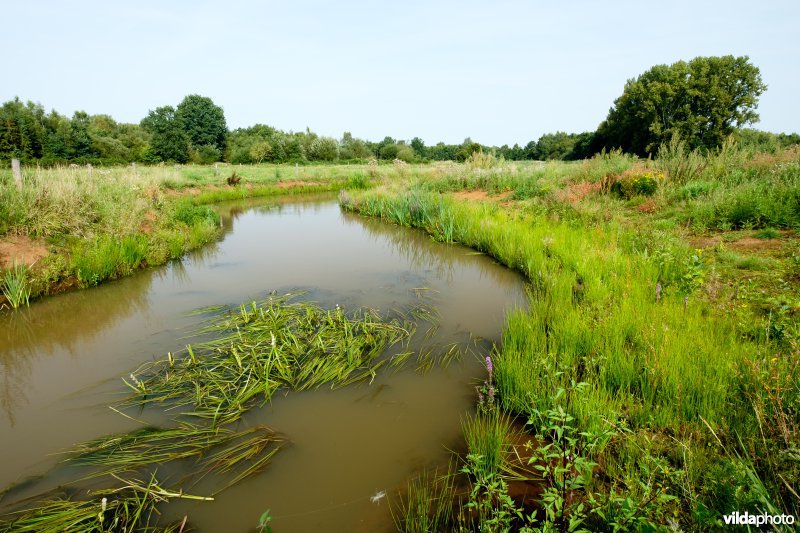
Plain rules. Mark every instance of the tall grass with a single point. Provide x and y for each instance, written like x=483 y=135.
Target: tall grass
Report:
x=666 y=365
x=16 y=287
x=428 y=504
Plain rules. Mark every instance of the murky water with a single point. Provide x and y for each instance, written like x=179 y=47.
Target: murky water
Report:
x=62 y=359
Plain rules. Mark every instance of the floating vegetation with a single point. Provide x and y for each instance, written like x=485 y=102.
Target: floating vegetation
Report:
x=242 y=357
x=131 y=507
x=248 y=451
x=263 y=347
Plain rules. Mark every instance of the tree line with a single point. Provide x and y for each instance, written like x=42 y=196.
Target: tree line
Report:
x=703 y=101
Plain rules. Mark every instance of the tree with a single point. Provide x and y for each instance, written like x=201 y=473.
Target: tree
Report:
x=260 y=150
x=702 y=101
x=202 y=121
x=168 y=141
x=418 y=145
x=323 y=149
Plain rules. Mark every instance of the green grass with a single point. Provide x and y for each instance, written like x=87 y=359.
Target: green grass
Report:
x=15 y=285
x=130 y=507
x=671 y=367
x=428 y=504
x=262 y=347
x=110 y=222
x=487 y=435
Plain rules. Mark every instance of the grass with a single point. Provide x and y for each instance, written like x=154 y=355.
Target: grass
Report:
x=428 y=503
x=674 y=349
x=214 y=450
x=265 y=346
x=15 y=286
x=486 y=435
x=131 y=507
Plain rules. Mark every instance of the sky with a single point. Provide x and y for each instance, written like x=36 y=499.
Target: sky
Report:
x=500 y=72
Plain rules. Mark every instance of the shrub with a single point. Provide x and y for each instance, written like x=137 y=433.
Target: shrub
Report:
x=636 y=182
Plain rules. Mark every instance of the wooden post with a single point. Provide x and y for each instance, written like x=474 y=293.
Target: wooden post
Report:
x=17 y=171
x=216 y=169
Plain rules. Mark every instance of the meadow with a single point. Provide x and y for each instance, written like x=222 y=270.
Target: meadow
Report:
x=653 y=381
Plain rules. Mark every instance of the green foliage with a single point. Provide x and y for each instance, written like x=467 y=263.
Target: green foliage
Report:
x=206 y=154
x=16 y=286
x=427 y=505
x=202 y=121
x=323 y=149
x=702 y=101
x=186 y=212
x=168 y=141
x=631 y=184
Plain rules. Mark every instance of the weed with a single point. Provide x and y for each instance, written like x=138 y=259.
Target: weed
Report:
x=16 y=285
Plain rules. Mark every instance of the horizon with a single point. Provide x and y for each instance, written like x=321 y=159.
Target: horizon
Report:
x=501 y=74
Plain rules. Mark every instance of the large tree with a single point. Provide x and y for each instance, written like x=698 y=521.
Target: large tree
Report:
x=168 y=140
x=202 y=121
x=702 y=101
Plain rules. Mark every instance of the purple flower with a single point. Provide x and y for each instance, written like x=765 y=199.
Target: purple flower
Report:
x=489 y=366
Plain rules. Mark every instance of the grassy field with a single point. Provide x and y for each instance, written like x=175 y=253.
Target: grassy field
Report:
x=656 y=370
x=654 y=378
x=77 y=227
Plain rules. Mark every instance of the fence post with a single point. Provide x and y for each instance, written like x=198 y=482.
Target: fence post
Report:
x=17 y=171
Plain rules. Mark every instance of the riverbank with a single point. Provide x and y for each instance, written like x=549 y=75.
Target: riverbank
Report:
x=77 y=227
x=656 y=370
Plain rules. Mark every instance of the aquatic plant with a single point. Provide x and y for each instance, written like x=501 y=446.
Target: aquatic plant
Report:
x=217 y=450
x=130 y=507
x=262 y=347
x=429 y=503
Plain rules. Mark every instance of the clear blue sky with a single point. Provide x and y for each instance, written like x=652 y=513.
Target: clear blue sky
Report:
x=499 y=72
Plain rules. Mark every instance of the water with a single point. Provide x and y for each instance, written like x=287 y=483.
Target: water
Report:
x=61 y=362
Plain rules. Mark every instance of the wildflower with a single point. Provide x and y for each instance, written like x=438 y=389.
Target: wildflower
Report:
x=491 y=395
x=489 y=366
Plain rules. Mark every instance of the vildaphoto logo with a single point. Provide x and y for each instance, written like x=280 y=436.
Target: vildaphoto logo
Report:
x=746 y=519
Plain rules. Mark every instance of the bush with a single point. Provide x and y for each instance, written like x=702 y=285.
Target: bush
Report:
x=636 y=183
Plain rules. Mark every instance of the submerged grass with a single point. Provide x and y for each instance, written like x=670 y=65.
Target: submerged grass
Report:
x=262 y=347
x=131 y=507
x=246 y=451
